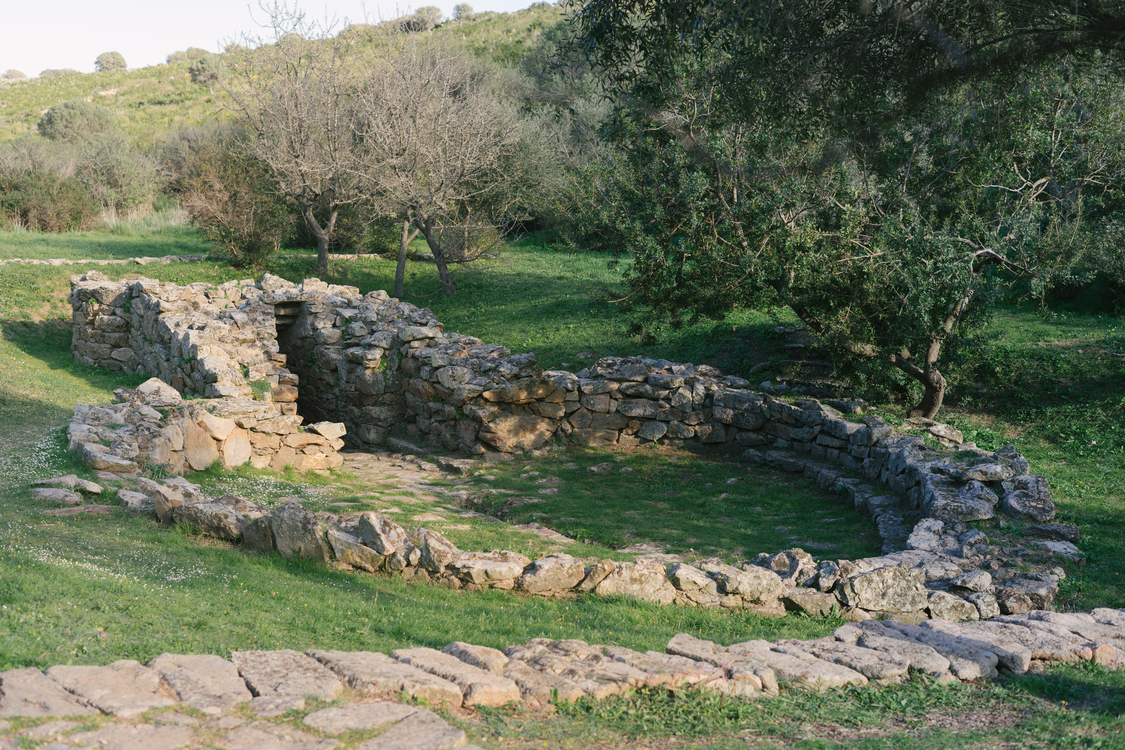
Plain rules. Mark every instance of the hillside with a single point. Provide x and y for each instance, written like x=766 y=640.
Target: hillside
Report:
x=149 y=101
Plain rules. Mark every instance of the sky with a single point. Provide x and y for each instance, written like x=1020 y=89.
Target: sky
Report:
x=37 y=35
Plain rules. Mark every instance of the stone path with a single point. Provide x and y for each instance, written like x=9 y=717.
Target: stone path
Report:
x=257 y=699
x=145 y=261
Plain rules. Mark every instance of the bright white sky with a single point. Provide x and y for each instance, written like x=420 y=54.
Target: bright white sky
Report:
x=40 y=34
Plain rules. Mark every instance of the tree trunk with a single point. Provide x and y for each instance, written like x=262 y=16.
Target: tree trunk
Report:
x=932 y=381
x=322 y=234
x=400 y=269
x=439 y=256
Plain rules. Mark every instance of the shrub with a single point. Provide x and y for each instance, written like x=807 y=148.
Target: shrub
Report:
x=232 y=199
x=76 y=120
x=121 y=177
x=30 y=153
x=207 y=70
x=462 y=12
x=47 y=202
x=59 y=73
x=186 y=56
x=13 y=75
x=108 y=61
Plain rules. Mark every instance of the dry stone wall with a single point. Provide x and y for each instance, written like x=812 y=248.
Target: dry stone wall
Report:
x=387 y=371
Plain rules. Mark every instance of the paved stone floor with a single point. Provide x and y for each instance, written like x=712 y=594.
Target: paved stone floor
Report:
x=273 y=700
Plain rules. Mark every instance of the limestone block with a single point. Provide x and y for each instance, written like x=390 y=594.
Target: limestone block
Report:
x=422 y=730
x=370 y=672
x=205 y=682
x=213 y=519
x=236 y=449
x=216 y=427
x=123 y=688
x=949 y=607
x=28 y=693
x=512 y=434
x=351 y=550
x=381 y=533
x=437 y=551
x=874 y=665
x=298 y=533
x=481 y=688
x=286 y=673
x=485 y=568
x=329 y=430
x=686 y=578
x=885 y=590
x=639 y=581
x=358 y=716
x=755 y=585
x=156 y=393
x=200 y=450
x=57 y=495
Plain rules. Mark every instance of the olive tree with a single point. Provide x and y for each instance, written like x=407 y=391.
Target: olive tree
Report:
x=76 y=120
x=442 y=145
x=108 y=61
x=294 y=93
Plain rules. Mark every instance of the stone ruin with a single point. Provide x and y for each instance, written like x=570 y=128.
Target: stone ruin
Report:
x=373 y=371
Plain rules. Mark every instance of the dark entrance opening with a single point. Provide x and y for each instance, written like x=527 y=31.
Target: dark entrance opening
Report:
x=296 y=340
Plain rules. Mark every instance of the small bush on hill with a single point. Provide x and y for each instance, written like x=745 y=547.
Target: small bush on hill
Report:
x=462 y=12
x=108 y=61
x=207 y=70
x=47 y=202
x=76 y=120
x=59 y=73
x=13 y=75
x=186 y=56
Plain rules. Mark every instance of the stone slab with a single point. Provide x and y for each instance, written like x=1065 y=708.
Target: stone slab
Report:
x=30 y=693
x=136 y=737
x=124 y=688
x=265 y=736
x=205 y=682
x=480 y=688
x=358 y=716
x=286 y=673
x=422 y=730
x=371 y=672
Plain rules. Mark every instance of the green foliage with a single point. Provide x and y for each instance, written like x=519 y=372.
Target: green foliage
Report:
x=59 y=73
x=48 y=203
x=232 y=199
x=190 y=55
x=76 y=120
x=13 y=75
x=120 y=176
x=462 y=12
x=109 y=61
x=207 y=70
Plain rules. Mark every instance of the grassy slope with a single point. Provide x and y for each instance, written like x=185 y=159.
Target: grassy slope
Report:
x=88 y=590
x=150 y=101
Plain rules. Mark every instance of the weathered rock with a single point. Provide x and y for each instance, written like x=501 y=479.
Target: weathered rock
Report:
x=595 y=575
x=1028 y=496
x=123 y=688
x=480 y=688
x=72 y=482
x=256 y=536
x=949 y=607
x=329 y=430
x=358 y=716
x=919 y=656
x=263 y=735
x=686 y=578
x=437 y=551
x=793 y=566
x=969 y=659
x=1012 y=654
x=208 y=683
x=974 y=580
x=810 y=601
x=797 y=668
x=488 y=568
x=136 y=737
x=481 y=657
x=422 y=730
x=872 y=664
x=755 y=585
x=379 y=674
x=286 y=673
x=57 y=495
x=643 y=581
x=1062 y=532
x=299 y=533
x=200 y=449
x=351 y=550
x=986 y=604
x=381 y=533
x=885 y=590
x=28 y=693
x=1040 y=593
x=552 y=573
x=213 y=519
x=513 y=434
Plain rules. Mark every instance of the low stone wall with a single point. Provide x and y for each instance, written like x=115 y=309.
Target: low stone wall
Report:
x=154 y=427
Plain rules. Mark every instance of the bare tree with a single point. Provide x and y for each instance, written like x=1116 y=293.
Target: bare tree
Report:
x=441 y=140
x=294 y=93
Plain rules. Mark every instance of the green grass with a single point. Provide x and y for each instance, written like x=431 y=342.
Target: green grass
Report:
x=93 y=589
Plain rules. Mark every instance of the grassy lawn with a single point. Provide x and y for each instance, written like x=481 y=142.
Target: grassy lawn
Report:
x=93 y=589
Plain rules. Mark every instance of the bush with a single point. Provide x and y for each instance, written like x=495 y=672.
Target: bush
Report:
x=108 y=61
x=462 y=12
x=232 y=199
x=122 y=178
x=186 y=56
x=59 y=73
x=207 y=70
x=47 y=202
x=76 y=120
x=13 y=75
